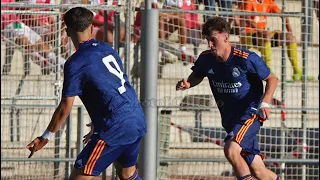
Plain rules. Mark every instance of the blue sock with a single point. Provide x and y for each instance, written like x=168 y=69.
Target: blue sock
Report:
x=135 y=176
x=246 y=177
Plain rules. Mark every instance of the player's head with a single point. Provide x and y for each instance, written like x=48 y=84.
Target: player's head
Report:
x=217 y=30
x=78 y=20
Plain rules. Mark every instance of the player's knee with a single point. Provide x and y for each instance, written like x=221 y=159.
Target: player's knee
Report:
x=125 y=173
x=260 y=173
x=232 y=150
x=130 y=176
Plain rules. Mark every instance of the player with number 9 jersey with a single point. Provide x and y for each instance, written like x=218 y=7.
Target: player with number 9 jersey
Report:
x=95 y=74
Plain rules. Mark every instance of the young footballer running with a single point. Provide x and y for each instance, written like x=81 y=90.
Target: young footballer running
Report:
x=95 y=74
x=236 y=79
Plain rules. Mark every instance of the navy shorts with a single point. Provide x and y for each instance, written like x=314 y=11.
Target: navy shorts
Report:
x=245 y=134
x=97 y=155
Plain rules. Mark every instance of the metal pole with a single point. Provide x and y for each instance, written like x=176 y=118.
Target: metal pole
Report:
x=310 y=9
x=127 y=38
x=283 y=90
x=18 y=124
x=104 y=175
x=149 y=61
x=305 y=30
x=105 y=24
x=68 y=145
x=116 y=31
x=57 y=90
x=80 y=129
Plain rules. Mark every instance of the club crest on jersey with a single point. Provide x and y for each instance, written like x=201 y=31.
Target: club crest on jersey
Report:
x=235 y=72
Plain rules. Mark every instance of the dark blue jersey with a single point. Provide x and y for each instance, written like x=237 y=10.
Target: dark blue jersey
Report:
x=95 y=74
x=236 y=84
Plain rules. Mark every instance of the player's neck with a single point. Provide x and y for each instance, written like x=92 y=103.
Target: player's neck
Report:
x=226 y=53
x=81 y=38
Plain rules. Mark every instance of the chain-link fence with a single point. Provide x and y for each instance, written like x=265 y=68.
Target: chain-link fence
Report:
x=190 y=132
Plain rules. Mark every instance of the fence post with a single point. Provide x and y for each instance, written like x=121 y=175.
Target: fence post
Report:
x=80 y=129
x=149 y=76
x=68 y=145
x=305 y=38
x=57 y=90
x=283 y=89
x=127 y=48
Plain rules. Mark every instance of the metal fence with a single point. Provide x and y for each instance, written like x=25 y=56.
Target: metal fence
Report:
x=190 y=135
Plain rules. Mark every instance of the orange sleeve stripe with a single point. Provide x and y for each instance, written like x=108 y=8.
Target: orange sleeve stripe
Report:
x=93 y=157
x=248 y=178
x=241 y=54
x=244 y=129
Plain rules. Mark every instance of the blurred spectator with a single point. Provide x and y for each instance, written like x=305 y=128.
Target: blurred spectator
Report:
x=15 y=31
x=170 y=22
x=254 y=33
x=224 y=6
x=44 y=25
x=98 y=21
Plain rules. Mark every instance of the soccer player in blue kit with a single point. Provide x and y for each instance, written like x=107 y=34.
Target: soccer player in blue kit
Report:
x=95 y=74
x=236 y=79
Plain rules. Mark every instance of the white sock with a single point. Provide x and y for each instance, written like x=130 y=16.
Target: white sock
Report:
x=37 y=58
x=183 y=48
x=163 y=51
x=131 y=46
x=52 y=58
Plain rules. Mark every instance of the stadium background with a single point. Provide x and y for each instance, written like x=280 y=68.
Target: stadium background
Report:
x=189 y=124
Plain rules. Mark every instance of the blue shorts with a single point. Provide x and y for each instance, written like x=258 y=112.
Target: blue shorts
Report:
x=97 y=155
x=245 y=134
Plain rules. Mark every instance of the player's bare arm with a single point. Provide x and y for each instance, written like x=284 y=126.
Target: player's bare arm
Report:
x=192 y=81
x=59 y=116
x=271 y=85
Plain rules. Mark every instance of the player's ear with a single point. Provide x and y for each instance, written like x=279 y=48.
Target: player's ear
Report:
x=91 y=28
x=226 y=37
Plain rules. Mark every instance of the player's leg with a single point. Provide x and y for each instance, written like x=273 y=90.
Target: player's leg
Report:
x=126 y=163
x=242 y=145
x=260 y=171
x=232 y=151
x=94 y=158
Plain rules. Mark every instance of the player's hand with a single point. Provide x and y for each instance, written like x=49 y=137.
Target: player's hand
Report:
x=182 y=85
x=36 y=145
x=265 y=113
x=87 y=137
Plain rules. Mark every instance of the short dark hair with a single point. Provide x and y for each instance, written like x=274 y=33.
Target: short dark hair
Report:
x=216 y=24
x=78 y=18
